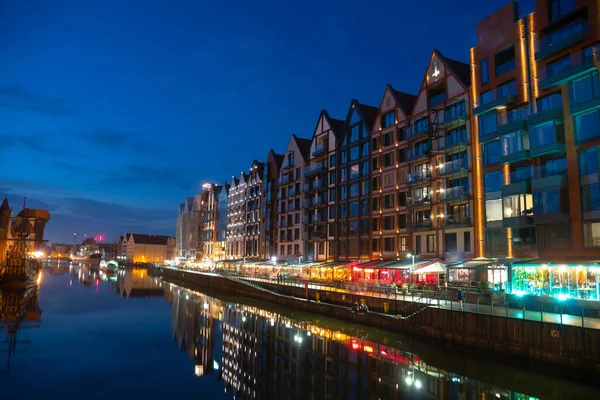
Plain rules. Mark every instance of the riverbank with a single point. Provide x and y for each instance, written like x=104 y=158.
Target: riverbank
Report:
x=560 y=345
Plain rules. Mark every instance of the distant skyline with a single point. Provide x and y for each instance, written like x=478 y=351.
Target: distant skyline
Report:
x=114 y=111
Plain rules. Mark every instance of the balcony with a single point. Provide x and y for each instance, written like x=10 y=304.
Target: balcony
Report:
x=413 y=179
x=291 y=191
x=422 y=152
x=418 y=201
x=284 y=179
x=550 y=114
x=280 y=196
x=453 y=167
x=320 y=149
x=518 y=222
x=452 y=119
x=316 y=167
x=562 y=39
x=451 y=221
x=451 y=142
x=580 y=64
x=547 y=146
x=291 y=207
x=416 y=132
x=453 y=194
x=315 y=218
x=557 y=218
x=549 y=177
x=420 y=225
x=514 y=150
x=520 y=182
x=320 y=184
x=514 y=120
x=499 y=100
x=319 y=234
x=287 y=166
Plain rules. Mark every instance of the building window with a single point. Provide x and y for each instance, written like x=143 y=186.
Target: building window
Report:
x=402 y=199
x=388 y=160
x=493 y=210
x=486 y=97
x=388 y=201
x=590 y=196
x=559 y=8
x=467 y=241
x=488 y=124
x=375 y=163
x=450 y=242
x=588 y=161
x=431 y=243
x=401 y=134
x=388 y=223
x=388 y=139
x=546 y=201
x=376 y=182
x=591 y=234
x=587 y=126
x=296 y=249
x=558 y=66
x=402 y=155
x=354 y=192
x=389 y=244
x=485 y=73
x=375 y=243
x=297 y=234
x=491 y=153
x=556 y=237
x=402 y=221
x=543 y=134
x=375 y=143
x=388 y=119
x=549 y=102
x=343 y=210
x=518 y=205
x=291 y=159
x=282 y=250
x=376 y=203
x=332 y=160
x=389 y=180
x=354 y=171
x=507 y=89
x=584 y=89
x=492 y=181
x=514 y=142
x=331 y=194
x=331 y=212
x=505 y=61
x=354 y=209
x=364 y=168
x=375 y=224
x=403 y=243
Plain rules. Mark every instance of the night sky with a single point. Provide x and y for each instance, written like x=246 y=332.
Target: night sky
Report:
x=112 y=112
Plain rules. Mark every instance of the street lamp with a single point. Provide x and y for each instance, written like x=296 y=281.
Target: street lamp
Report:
x=409 y=255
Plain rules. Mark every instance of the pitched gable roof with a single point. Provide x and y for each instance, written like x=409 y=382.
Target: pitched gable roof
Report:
x=336 y=125
x=140 y=238
x=303 y=145
x=367 y=113
x=406 y=101
x=460 y=69
x=5 y=206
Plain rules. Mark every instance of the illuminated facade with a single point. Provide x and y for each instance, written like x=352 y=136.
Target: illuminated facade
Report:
x=353 y=178
x=187 y=241
x=270 y=189
x=389 y=185
x=236 y=213
x=254 y=212
x=536 y=93
x=320 y=189
x=141 y=248
x=210 y=211
x=5 y=219
x=291 y=219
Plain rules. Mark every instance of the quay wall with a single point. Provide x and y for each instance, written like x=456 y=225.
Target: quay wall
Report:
x=561 y=345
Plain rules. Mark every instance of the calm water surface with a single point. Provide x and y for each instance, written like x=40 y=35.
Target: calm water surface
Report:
x=85 y=335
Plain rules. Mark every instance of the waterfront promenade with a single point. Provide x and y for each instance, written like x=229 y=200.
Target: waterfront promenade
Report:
x=442 y=299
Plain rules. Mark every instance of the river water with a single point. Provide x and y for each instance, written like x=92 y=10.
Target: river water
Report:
x=85 y=335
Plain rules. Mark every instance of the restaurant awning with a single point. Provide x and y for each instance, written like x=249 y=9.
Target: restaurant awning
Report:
x=556 y=262
x=431 y=268
x=474 y=263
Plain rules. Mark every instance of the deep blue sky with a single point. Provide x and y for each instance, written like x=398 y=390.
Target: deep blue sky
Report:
x=113 y=111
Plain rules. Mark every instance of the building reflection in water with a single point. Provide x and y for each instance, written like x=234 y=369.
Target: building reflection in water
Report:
x=263 y=355
x=134 y=283
x=19 y=310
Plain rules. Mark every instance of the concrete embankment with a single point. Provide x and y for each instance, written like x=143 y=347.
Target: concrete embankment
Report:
x=561 y=345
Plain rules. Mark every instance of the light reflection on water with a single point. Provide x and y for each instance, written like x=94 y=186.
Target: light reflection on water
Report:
x=115 y=333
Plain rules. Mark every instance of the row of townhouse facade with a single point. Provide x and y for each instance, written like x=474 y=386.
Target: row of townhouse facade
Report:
x=497 y=157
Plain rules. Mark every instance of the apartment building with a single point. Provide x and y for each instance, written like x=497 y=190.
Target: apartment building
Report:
x=353 y=175
x=291 y=222
x=270 y=190
x=536 y=97
x=254 y=211
x=236 y=213
x=209 y=218
x=188 y=228
x=320 y=188
x=439 y=161
x=389 y=186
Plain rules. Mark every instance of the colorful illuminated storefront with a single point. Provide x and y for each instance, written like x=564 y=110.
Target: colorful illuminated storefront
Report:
x=564 y=281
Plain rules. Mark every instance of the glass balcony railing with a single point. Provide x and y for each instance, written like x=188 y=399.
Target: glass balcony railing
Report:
x=521 y=175
x=421 y=224
x=418 y=177
x=508 y=66
x=454 y=194
x=459 y=219
x=415 y=154
x=561 y=39
x=320 y=148
x=452 y=167
x=557 y=73
x=454 y=114
x=513 y=116
x=498 y=98
x=283 y=179
x=417 y=130
x=316 y=167
x=545 y=171
x=454 y=140
x=418 y=201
